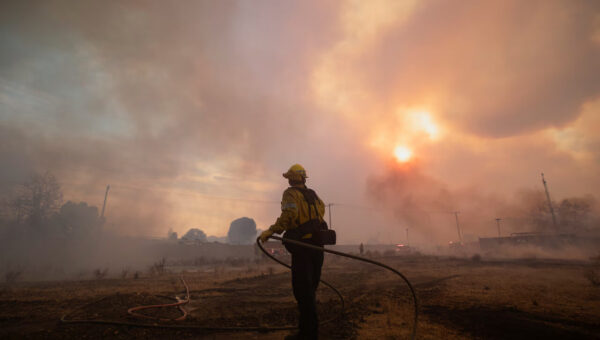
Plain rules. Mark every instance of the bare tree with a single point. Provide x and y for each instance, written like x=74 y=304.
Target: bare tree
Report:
x=37 y=199
x=575 y=213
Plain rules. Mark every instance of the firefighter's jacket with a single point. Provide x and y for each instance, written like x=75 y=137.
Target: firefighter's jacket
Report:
x=295 y=211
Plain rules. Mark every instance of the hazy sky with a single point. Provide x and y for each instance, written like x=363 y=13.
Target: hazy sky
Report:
x=183 y=107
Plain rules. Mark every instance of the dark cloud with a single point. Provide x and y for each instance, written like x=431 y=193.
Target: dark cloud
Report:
x=181 y=76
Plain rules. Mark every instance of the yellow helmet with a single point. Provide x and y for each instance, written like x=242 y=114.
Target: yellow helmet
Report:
x=296 y=172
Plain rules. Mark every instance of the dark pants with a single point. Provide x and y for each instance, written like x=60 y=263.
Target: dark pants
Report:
x=306 y=273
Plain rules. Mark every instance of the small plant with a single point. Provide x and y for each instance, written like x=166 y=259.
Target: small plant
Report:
x=136 y=275
x=476 y=258
x=593 y=273
x=12 y=275
x=99 y=274
x=159 y=268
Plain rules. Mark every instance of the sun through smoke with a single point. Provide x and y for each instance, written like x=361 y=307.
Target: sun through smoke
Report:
x=402 y=153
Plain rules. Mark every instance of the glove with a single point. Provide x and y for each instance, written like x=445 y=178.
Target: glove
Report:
x=264 y=236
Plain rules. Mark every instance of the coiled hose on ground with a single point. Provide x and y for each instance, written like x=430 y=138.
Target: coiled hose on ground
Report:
x=132 y=311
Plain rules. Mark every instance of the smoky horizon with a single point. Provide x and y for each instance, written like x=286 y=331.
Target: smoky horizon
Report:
x=429 y=116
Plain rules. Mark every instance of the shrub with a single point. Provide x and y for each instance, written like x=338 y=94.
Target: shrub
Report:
x=593 y=273
x=99 y=274
x=159 y=268
x=12 y=275
x=194 y=234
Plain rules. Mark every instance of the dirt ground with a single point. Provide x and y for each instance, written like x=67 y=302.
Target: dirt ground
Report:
x=458 y=299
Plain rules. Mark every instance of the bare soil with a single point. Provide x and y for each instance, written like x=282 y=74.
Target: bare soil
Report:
x=459 y=299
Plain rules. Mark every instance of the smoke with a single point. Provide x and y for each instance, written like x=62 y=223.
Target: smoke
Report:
x=177 y=106
x=430 y=209
x=151 y=97
x=489 y=69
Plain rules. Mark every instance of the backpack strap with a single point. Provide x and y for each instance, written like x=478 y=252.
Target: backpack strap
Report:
x=310 y=196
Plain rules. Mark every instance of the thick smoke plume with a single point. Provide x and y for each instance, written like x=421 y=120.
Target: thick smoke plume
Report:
x=428 y=208
x=192 y=110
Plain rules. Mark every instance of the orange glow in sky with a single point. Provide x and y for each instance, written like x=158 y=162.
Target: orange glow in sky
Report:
x=402 y=153
x=392 y=89
x=423 y=121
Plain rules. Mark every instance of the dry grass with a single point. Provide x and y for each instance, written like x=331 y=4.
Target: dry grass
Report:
x=459 y=299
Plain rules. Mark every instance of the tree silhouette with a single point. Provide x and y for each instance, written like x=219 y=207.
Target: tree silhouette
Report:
x=37 y=199
x=194 y=234
x=242 y=231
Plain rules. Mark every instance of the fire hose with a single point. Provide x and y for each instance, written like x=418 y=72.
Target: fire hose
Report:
x=132 y=311
x=358 y=258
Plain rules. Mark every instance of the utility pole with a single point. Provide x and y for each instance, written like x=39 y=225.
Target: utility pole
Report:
x=104 y=205
x=498 y=223
x=549 y=201
x=329 y=212
x=458 y=227
x=407 y=242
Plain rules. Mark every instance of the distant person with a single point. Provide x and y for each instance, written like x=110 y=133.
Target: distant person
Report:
x=361 y=248
x=301 y=210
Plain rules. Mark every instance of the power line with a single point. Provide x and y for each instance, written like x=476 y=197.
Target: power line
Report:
x=258 y=201
x=199 y=194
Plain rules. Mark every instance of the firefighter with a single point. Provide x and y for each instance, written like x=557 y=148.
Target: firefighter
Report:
x=301 y=208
